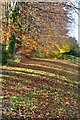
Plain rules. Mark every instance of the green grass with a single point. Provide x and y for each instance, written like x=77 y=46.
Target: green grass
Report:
x=73 y=59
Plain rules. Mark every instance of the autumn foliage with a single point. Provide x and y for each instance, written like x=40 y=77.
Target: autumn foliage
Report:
x=32 y=27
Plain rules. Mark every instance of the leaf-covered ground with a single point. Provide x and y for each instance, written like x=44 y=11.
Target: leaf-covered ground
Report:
x=40 y=89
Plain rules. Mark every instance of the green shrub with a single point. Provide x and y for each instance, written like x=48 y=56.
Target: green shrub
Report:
x=40 y=54
x=11 y=47
x=54 y=54
x=75 y=52
x=74 y=47
x=72 y=59
x=51 y=54
x=5 y=54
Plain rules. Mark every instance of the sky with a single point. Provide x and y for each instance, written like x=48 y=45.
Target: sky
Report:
x=74 y=28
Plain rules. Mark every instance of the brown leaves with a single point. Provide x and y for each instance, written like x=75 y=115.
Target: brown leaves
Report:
x=38 y=96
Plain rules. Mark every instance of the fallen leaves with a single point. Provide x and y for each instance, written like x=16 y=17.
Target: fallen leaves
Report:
x=37 y=96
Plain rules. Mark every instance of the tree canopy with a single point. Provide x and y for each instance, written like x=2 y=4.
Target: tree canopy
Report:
x=30 y=27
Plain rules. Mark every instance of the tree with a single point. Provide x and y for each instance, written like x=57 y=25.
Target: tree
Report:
x=22 y=29
x=39 y=23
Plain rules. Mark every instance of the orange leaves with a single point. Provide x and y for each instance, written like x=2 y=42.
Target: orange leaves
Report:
x=7 y=34
x=38 y=18
x=28 y=45
x=2 y=35
x=14 y=25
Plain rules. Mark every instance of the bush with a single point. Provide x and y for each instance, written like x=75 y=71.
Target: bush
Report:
x=74 y=48
x=11 y=47
x=75 y=52
x=5 y=55
x=40 y=54
x=54 y=54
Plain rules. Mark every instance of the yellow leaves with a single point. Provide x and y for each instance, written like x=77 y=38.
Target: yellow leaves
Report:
x=67 y=103
x=18 y=19
x=75 y=102
x=3 y=36
x=63 y=48
x=28 y=46
x=5 y=20
x=67 y=47
x=30 y=43
x=13 y=26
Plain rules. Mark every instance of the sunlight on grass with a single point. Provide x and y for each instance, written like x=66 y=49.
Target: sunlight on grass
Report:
x=42 y=73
